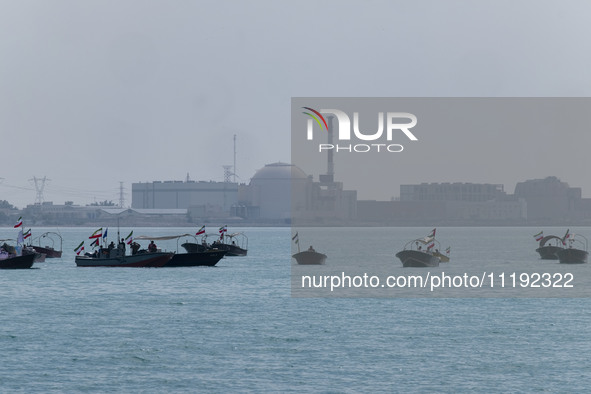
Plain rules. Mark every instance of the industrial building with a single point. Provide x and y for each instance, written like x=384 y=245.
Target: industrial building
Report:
x=451 y=192
x=549 y=199
x=210 y=198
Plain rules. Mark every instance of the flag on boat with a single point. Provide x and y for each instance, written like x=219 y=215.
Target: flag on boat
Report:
x=223 y=229
x=27 y=234
x=79 y=248
x=431 y=245
x=97 y=234
x=129 y=238
x=566 y=236
x=539 y=235
x=201 y=231
x=19 y=222
x=95 y=242
x=432 y=235
x=105 y=233
x=448 y=250
x=20 y=239
x=296 y=238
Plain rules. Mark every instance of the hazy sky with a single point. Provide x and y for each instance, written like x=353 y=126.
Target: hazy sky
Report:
x=499 y=140
x=97 y=92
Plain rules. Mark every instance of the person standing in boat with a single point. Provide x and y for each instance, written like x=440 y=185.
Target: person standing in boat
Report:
x=152 y=247
x=121 y=246
x=134 y=247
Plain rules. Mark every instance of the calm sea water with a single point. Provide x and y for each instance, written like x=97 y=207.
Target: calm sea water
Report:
x=236 y=327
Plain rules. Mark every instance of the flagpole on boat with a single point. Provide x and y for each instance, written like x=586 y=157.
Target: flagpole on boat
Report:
x=296 y=239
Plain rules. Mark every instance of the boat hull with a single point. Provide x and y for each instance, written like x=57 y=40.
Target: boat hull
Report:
x=18 y=262
x=549 y=252
x=192 y=247
x=50 y=253
x=158 y=259
x=40 y=257
x=442 y=258
x=415 y=258
x=572 y=256
x=231 y=250
x=207 y=258
x=308 y=257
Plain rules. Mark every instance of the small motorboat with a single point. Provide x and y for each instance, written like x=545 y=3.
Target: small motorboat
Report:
x=310 y=257
x=421 y=252
x=307 y=257
x=549 y=247
x=575 y=252
x=17 y=262
x=49 y=251
x=235 y=244
x=9 y=258
x=196 y=254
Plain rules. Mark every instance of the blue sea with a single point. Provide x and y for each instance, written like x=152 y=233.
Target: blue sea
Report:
x=235 y=327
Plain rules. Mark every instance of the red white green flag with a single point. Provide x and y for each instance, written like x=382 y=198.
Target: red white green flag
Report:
x=201 y=231
x=97 y=234
x=79 y=248
x=19 y=222
x=129 y=238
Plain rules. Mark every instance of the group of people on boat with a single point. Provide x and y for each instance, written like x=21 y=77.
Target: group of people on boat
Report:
x=135 y=248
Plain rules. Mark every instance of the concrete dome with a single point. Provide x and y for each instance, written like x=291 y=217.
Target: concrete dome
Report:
x=278 y=171
x=271 y=189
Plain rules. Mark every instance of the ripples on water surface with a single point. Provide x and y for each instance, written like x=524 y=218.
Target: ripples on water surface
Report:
x=235 y=327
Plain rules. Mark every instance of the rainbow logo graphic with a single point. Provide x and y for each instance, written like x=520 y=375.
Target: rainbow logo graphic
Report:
x=313 y=116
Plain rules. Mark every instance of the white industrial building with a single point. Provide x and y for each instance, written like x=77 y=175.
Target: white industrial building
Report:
x=210 y=197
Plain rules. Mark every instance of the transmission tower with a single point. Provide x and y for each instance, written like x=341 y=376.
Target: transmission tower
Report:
x=39 y=187
x=227 y=173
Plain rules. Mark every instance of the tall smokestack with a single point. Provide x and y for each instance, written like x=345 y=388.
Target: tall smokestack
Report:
x=330 y=162
x=234 y=169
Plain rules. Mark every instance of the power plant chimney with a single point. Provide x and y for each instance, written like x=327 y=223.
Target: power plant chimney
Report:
x=330 y=163
x=328 y=178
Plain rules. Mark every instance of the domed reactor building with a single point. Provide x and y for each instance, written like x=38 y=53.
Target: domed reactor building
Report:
x=275 y=193
x=282 y=192
x=268 y=195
